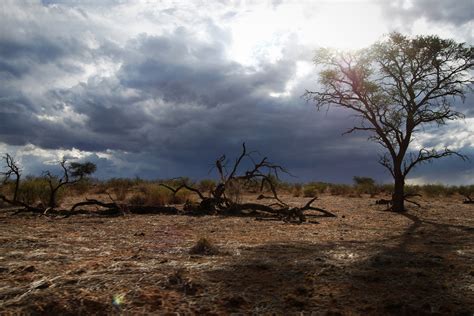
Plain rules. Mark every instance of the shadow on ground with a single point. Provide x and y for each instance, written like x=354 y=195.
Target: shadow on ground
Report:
x=427 y=270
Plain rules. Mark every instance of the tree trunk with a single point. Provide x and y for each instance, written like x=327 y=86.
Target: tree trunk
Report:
x=52 y=198
x=398 y=197
x=17 y=186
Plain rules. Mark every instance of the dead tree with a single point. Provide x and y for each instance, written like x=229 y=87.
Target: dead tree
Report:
x=12 y=169
x=72 y=174
x=396 y=88
x=218 y=201
x=260 y=172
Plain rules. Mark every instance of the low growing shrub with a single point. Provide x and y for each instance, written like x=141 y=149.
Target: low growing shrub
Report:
x=206 y=185
x=297 y=189
x=340 y=189
x=312 y=189
x=137 y=199
x=157 y=195
x=36 y=190
x=365 y=185
x=204 y=247
x=434 y=190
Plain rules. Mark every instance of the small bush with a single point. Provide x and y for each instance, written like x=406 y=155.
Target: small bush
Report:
x=312 y=189
x=434 y=190
x=82 y=186
x=182 y=196
x=340 y=189
x=7 y=188
x=36 y=190
x=363 y=181
x=157 y=195
x=120 y=187
x=385 y=188
x=297 y=189
x=234 y=191
x=204 y=247
x=206 y=185
x=137 y=200
x=412 y=189
x=365 y=185
x=284 y=187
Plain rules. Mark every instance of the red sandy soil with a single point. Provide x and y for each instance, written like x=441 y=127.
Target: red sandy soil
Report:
x=364 y=262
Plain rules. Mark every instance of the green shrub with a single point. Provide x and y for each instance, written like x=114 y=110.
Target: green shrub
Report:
x=157 y=195
x=434 y=190
x=36 y=190
x=183 y=196
x=452 y=189
x=119 y=187
x=297 y=189
x=82 y=187
x=206 y=185
x=363 y=181
x=284 y=187
x=7 y=188
x=412 y=189
x=234 y=191
x=365 y=185
x=312 y=189
x=385 y=188
x=340 y=189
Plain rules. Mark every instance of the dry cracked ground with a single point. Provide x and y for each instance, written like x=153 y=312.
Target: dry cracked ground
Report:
x=363 y=262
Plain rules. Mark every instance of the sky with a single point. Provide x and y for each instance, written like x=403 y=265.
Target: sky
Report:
x=160 y=89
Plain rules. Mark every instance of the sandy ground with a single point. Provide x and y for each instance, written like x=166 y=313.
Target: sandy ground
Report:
x=364 y=262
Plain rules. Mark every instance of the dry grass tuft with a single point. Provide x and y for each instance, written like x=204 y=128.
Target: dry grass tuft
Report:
x=204 y=247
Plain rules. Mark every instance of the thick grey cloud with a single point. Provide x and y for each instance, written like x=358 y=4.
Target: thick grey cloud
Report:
x=457 y=12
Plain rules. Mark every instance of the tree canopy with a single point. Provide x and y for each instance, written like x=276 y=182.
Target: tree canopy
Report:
x=396 y=87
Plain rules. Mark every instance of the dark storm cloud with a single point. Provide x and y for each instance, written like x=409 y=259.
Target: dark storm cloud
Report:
x=456 y=12
x=21 y=54
x=448 y=170
x=180 y=69
x=204 y=105
x=173 y=104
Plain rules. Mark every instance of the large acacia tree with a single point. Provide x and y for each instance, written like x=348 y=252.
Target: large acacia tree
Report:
x=397 y=87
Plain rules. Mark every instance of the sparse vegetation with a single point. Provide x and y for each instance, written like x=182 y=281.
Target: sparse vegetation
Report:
x=340 y=189
x=34 y=190
x=312 y=189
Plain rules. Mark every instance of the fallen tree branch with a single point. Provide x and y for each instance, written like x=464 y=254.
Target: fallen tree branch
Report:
x=218 y=202
x=261 y=172
x=23 y=207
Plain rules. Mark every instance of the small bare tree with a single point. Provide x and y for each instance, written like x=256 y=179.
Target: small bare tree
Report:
x=396 y=87
x=72 y=174
x=12 y=169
